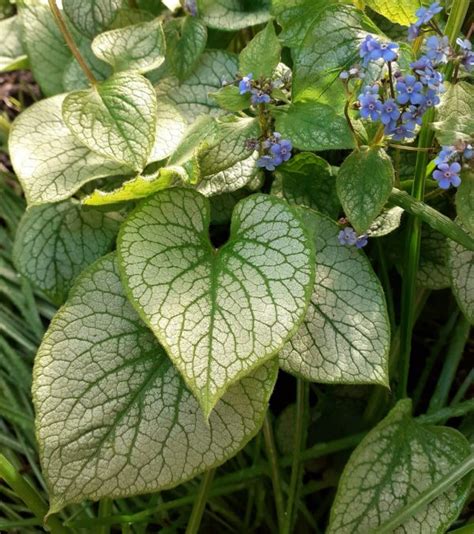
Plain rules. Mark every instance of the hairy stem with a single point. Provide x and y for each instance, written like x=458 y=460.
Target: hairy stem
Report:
x=70 y=41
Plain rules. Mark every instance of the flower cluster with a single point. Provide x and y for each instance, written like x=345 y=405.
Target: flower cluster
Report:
x=349 y=237
x=275 y=151
x=260 y=93
x=410 y=95
x=424 y=16
x=448 y=164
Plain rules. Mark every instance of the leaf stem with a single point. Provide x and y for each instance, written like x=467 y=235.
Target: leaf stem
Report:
x=200 y=502
x=105 y=510
x=70 y=41
x=28 y=494
x=451 y=363
x=433 y=217
x=275 y=469
x=441 y=416
x=467 y=382
x=426 y=496
x=412 y=251
x=299 y=440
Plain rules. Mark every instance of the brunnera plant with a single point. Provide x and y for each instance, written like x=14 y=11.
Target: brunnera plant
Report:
x=201 y=179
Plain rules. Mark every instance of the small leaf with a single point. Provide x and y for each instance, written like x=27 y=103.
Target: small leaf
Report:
x=186 y=39
x=49 y=161
x=136 y=188
x=192 y=97
x=314 y=126
x=230 y=99
x=12 y=54
x=94 y=16
x=345 y=337
x=220 y=314
x=386 y=223
x=401 y=12
x=465 y=201
x=241 y=174
x=233 y=14
x=140 y=47
x=47 y=51
x=262 y=54
x=114 y=418
x=393 y=464
x=433 y=271
x=454 y=116
x=115 y=118
x=307 y=180
x=364 y=183
x=461 y=265
x=55 y=242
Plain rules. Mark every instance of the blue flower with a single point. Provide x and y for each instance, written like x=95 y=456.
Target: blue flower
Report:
x=361 y=241
x=282 y=150
x=467 y=59
x=468 y=152
x=259 y=97
x=447 y=153
x=413 y=117
x=409 y=90
x=267 y=162
x=428 y=75
x=426 y=14
x=371 y=106
x=438 y=49
x=431 y=98
x=245 y=85
x=447 y=175
x=372 y=49
x=347 y=236
x=191 y=7
x=399 y=132
x=390 y=111
x=413 y=32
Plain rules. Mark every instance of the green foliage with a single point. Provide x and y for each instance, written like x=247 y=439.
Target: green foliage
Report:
x=194 y=182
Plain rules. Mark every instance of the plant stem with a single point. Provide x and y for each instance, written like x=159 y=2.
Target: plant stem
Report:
x=302 y=395
x=430 y=361
x=275 y=469
x=70 y=41
x=28 y=495
x=463 y=389
x=433 y=217
x=426 y=496
x=200 y=503
x=451 y=363
x=105 y=510
x=412 y=251
x=441 y=416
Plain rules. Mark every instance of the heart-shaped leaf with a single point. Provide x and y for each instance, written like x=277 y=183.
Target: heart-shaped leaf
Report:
x=94 y=16
x=233 y=14
x=49 y=161
x=139 y=47
x=55 y=242
x=219 y=313
x=345 y=337
x=364 y=183
x=47 y=51
x=192 y=97
x=12 y=55
x=393 y=464
x=115 y=118
x=114 y=417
